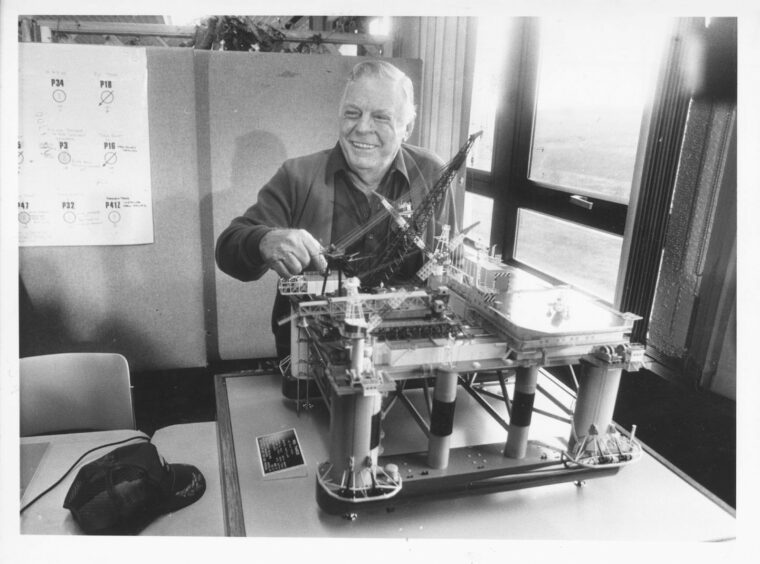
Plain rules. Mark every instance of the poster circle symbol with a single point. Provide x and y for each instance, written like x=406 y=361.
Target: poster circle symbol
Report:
x=69 y=217
x=106 y=97
x=59 y=96
x=110 y=158
x=24 y=217
x=64 y=157
x=114 y=217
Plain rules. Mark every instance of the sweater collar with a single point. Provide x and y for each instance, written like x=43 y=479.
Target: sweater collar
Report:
x=337 y=162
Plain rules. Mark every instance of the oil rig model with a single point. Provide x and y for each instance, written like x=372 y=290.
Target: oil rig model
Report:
x=467 y=320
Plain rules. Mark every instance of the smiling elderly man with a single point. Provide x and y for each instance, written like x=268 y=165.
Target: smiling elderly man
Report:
x=316 y=199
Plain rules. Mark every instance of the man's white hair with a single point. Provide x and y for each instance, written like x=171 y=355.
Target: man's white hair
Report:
x=383 y=69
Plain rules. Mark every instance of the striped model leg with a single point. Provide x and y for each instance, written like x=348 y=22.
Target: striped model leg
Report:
x=522 y=410
x=442 y=418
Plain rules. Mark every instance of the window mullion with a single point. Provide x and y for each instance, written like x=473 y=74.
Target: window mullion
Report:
x=660 y=163
x=514 y=121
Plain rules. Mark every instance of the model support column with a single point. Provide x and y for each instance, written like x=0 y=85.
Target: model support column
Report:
x=295 y=382
x=597 y=394
x=522 y=411
x=354 y=437
x=442 y=418
x=299 y=346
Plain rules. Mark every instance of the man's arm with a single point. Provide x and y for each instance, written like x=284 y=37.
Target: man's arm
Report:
x=262 y=238
x=290 y=251
x=237 y=247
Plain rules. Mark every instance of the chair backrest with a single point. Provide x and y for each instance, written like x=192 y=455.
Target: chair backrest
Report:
x=74 y=392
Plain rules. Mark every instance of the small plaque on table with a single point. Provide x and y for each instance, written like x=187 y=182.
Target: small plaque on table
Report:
x=280 y=455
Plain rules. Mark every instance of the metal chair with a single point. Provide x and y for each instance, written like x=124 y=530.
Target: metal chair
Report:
x=74 y=392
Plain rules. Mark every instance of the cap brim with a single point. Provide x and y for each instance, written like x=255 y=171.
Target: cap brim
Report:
x=185 y=485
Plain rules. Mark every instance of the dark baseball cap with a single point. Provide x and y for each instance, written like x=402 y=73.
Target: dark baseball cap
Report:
x=124 y=490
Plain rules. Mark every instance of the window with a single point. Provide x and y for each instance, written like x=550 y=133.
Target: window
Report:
x=488 y=83
x=488 y=77
x=553 y=246
x=592 y=83
x=478 y=210
x=565 y=141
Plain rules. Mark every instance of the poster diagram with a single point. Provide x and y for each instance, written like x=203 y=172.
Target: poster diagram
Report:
x=83 y=154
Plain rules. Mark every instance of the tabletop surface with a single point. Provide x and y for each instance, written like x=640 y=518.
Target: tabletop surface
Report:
x=644 y=501
x=193 y=443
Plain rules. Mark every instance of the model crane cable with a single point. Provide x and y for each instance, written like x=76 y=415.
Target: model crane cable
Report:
x=448 y=203
x=336 y=253
x=423 y=193
x=419 y=190
x=402 y=241
x=382 y=266
x=357 y=232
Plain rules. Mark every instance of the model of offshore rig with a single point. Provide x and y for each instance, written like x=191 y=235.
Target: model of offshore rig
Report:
x=364 y=344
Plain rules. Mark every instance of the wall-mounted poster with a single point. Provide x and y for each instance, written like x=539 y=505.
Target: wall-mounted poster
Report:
x=83 y=154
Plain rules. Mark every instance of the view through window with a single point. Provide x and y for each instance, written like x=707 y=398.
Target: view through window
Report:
x=594 y=77
x=488 y=81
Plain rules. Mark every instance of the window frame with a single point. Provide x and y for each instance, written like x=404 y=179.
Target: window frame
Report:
x=519 y=190
x=509 y=186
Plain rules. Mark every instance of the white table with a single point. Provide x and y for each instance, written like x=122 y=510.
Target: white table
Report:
x=646 y=501
x=193 y=443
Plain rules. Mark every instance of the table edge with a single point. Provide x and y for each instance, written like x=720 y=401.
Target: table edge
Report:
x=234 y=522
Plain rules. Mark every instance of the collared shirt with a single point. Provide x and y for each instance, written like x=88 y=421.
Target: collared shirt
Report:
x=353 y=209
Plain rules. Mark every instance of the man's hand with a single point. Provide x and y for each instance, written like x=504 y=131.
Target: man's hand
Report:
x=289 y=251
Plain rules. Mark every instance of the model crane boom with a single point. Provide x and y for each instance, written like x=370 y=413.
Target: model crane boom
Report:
x=409 y=236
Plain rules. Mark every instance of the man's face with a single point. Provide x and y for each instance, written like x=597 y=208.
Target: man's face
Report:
x=372 y=125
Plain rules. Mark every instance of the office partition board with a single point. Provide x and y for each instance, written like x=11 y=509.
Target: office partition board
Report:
x=262 y=109
x=143 y=301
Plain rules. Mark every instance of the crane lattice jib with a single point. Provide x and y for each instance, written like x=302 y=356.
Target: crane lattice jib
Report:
x=403 y=240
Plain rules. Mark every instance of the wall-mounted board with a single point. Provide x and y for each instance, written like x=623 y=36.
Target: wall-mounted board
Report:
x=143 y=301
